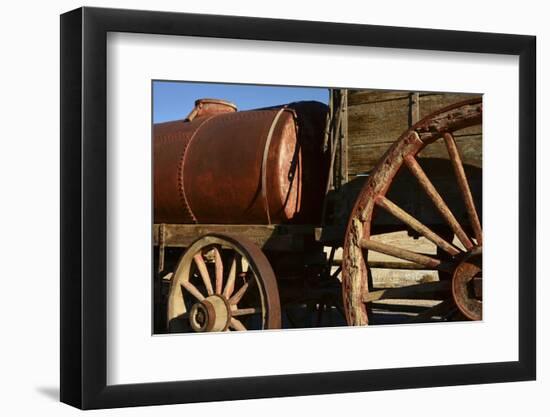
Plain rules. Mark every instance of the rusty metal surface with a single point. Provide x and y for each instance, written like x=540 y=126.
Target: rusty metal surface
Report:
x=169 y=148
x=223 y=169
x=355 y=271
x=213 y=170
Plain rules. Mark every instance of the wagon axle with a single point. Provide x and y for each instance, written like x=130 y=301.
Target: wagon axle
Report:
x=213 y=314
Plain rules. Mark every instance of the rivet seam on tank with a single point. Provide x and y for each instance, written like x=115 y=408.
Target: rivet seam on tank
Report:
x=181 y=186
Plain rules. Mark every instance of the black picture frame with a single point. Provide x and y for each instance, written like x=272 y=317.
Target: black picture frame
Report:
x=84 y=207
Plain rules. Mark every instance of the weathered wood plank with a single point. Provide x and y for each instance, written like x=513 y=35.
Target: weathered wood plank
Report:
x=400 y=276
x=377 y=119
x=380 y=121
x=363 y=157
x=430 y=102
x=470 y=148
x=344 y=146
x=422 y=291
x=268 y=237
x=358 y=97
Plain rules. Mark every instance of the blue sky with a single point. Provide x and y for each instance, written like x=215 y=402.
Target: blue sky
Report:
x=174 y=100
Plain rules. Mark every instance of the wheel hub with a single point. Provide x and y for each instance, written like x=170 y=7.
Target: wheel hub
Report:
x=467 y=284
x=213 y=314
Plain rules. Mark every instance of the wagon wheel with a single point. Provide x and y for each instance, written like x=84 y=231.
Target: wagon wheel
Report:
x=223 y=283
x=461 y=261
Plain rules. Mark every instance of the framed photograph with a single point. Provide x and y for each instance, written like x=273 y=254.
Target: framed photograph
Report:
x=258 y=208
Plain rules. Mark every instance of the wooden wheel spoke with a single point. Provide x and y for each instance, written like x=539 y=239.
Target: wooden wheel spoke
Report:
x=442 y=309
x=331 y=256
x=243 y=265
x=230 y=284
x=418 y=258
x=394 y=265
x=235 y=324
x=234 y=300
x=191 y=289
x=463 y=185
x=245 y=311
x=424 y=291
x=219 y=270
x=436 y=198
x=335 y=273
x=203 y=270
x=416 y=225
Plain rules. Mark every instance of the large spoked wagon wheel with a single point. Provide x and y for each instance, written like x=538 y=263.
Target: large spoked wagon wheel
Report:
x=459 y=259
x=223 y=283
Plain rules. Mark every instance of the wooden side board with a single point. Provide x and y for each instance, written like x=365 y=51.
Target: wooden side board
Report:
x=376 y=119
x=268 y=237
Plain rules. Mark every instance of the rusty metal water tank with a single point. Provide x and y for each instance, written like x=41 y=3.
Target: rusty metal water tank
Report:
x=251 y=167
